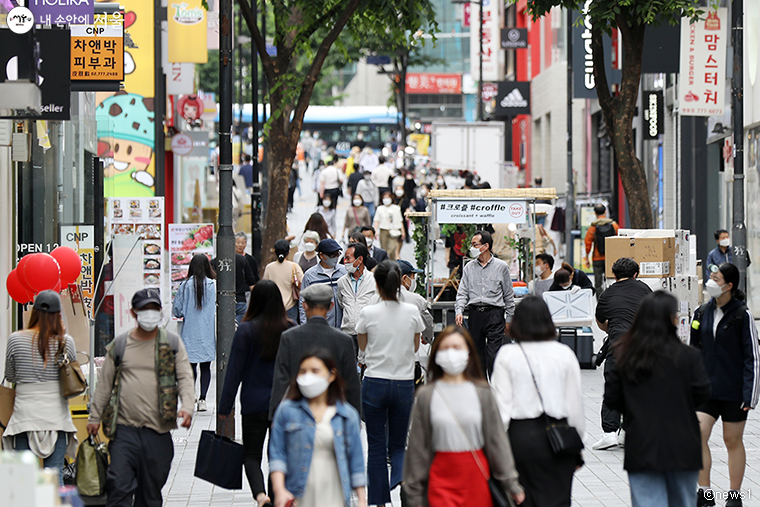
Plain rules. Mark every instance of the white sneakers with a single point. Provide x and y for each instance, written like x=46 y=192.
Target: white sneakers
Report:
x=202 y=406
x=608 y=441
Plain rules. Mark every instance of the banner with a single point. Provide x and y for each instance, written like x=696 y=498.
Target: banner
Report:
x=480 y=211
x=187 y=32
x=56 y=12
x=434 y=83
x=702 y=83
x=186 y=240
x=493 y=66
x=82 y=239
x=97 y=50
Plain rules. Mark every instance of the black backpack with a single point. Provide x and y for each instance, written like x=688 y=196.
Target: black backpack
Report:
x=603 y=231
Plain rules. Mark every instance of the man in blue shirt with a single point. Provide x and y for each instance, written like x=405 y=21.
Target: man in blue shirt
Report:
x=327 y=272
x=719 y=254
x=246 y=171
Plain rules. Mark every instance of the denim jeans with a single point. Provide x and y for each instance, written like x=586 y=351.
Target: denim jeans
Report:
x=387 y=405
x=240 y=309
x=55 y=460
x=671 y=489
x=293 y=313
x=371 y=208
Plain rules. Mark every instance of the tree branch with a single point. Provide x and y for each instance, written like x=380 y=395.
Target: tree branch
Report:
x=633 y=43
x=606 y=101
x=261 y=46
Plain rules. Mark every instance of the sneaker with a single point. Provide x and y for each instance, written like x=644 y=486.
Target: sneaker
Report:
x=734 y=499
x=621 y=438
x=608 y=441
x=706 y=498
x=202 y=406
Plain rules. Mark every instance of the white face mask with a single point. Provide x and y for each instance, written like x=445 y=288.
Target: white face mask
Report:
x=424 y=192
x=439 y=181
x=475 y=252
x=725 y=242
x=412 y=284
x=566 y=287
x=399 y=192
x=387 y=201
x=312 y=385
x=538 y=271
x=149 y=320
x=713 y=289
x=351 y=269
x=357 y=202
x=452 y=361
x=309 y=247
x=369 y=242
x=326 y=203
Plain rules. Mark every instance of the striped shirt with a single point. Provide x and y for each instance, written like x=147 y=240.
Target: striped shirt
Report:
x=24 y=364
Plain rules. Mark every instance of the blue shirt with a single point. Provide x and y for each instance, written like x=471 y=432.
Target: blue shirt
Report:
x=291 y=442
x=199 y=324
x=246 y=171
x=316 y=274
x=716 y=257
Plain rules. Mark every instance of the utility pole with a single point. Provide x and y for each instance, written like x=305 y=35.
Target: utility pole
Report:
x=225 y=286
x=256 y=190
x=739 y=232
x=570 y=197
x=480 y=61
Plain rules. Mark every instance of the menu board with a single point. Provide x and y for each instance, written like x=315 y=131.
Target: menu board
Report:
x=186 y=240
x=144 y=217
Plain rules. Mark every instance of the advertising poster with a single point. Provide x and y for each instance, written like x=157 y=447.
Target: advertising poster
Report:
x=186 y=240
x=128 y=262
x=82 y=239
x=144 y=218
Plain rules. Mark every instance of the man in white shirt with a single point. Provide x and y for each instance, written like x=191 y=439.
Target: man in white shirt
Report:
x=408 y=295
x=330 y=182
x=356 y=289
x=381 y=175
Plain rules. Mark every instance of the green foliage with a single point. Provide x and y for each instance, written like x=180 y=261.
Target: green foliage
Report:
x=421 y=251
x=467 y=229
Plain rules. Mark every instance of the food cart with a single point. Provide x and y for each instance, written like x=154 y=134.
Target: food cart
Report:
x=470 y=210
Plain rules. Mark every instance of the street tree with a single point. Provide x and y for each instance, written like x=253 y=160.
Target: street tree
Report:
x=631 y=17
x=311 y=28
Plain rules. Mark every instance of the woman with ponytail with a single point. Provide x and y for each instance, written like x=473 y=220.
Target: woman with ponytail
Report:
x=287 y=275
x=724 y=329
x=389 y=333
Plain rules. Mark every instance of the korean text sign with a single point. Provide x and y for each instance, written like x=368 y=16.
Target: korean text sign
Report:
x=82 y=239
x=62 y=12
x=97 y=50
x=480 y=211
x=702 y=87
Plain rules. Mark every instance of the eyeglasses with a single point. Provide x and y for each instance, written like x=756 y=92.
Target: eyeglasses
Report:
x=477 y=245
x=334 y=254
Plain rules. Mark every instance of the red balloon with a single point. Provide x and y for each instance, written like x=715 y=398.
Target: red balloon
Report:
x=15 y=289
x=20 y=272
x=70 y=263
x=41 y=272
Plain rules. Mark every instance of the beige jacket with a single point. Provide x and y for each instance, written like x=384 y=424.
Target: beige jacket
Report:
x=420 y=453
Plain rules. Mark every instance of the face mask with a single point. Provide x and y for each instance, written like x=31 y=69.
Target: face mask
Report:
x=330 y=261
x=424 y=192
x=538 y=270
x=725 y=242
x=326 y=203
x=309 y=247
x=351 y=269
x=367 y=176
x=149 y=320
x=566 y=287
x=412 y=284
x=399 y=193
x=357 y=202
x=713 y=289
x=452 y=361
x=474 y=252
x=387 y=201
x=312 y=385
x=440 y=182
x=369 y=242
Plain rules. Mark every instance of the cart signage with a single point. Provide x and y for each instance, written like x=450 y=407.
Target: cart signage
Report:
x=480 y=211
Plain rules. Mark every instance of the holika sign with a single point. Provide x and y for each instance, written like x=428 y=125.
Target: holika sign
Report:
x=63 y=12
x=480 y=211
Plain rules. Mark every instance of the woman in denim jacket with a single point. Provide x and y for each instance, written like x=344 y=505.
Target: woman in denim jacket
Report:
x=315 y=448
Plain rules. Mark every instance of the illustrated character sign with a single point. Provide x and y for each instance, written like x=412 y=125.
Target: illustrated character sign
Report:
x=190 y=108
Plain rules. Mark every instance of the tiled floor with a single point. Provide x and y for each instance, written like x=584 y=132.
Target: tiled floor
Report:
x=601 y=483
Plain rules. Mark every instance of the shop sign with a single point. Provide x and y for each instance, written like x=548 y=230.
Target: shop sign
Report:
x=63 y=12
x=97 y=50
x=187 y=32
x=20 y=20
x=702 y=85
x=514 y=38
x=182 y=144
x=490 y=91
x=493 y=64
x=447 y=84
x=82 y=239
x=584 y=82
x=653 y=111
x=186 y=240
x=480 y=211
x=513 y=99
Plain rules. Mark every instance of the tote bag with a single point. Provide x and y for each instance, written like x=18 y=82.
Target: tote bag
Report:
x=219 y=461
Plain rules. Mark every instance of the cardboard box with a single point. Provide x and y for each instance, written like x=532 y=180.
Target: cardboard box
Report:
x=656 y=256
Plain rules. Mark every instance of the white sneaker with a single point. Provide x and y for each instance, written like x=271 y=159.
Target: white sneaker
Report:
x=202 y=406
x=608 y=441
x=621 y=438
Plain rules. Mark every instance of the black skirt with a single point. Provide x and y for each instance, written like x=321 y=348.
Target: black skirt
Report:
x=546 y=477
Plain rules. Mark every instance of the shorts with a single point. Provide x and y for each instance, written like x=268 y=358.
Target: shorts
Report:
x=729 y=411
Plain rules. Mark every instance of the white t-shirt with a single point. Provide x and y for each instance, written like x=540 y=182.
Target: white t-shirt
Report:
x=389 y=217
x=390 y=328
x=331 y=176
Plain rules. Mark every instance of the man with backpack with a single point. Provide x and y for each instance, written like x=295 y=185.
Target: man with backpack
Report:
x=601 y=228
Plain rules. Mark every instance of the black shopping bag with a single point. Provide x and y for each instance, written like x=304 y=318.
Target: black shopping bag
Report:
x=219 y=461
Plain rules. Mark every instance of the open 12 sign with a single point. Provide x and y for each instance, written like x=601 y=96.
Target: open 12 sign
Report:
x=97 y=50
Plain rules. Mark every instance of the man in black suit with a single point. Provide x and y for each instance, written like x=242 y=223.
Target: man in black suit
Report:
x=375 y=252
x=315 y=334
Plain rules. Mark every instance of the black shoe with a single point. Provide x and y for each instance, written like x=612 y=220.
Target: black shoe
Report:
x=705 y=500
x=734 y=499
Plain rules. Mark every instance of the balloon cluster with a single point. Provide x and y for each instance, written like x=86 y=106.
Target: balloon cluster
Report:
x=40 y=271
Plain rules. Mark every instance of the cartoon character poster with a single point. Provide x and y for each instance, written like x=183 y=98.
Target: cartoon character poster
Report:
x=125 y=120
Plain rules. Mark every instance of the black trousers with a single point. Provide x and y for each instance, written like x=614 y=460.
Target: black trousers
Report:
x=205 y=377
x=140 y=463
x=333 y=194
x=487 y=330
x=598 y=277
x=610 y=418
x=255 y=427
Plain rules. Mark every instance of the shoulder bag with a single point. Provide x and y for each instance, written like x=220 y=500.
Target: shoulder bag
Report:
x=499 y=497
x=295 y=283
x=563 y=438
x=71 y=377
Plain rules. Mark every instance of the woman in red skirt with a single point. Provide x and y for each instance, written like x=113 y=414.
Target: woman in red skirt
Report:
x=456 y=438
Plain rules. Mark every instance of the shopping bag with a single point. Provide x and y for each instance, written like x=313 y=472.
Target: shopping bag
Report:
x=7 y=398
x=219 y=461
x=92 y=465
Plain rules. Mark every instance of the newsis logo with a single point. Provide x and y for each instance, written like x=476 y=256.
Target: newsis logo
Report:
x=188 y=16
x=514 y=99
x=20 y=20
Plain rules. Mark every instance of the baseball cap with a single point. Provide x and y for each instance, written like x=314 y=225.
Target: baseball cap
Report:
x=318 y=294
x=406 y=267
x=144 y=297
x=329 y=246
x=47 y=301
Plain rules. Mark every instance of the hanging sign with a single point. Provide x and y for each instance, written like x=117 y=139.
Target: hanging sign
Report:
x=480 y=211
x=97 y=50
x=63 y=12
x=82 y=239
x=653 y=112
x=493 y=65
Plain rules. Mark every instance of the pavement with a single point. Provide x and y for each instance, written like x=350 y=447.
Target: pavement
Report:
x=602 y=482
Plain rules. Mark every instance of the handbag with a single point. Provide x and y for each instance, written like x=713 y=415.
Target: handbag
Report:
x=563 y=438
x=498 y=496
x=295 y=283
x=7 y=399
x=91 y=467
x=220 y=461
x=70 y=373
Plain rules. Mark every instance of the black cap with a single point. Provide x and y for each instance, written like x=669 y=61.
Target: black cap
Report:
x=48 y=301
x=328 y=246
x=144 y=297
x=406 y=267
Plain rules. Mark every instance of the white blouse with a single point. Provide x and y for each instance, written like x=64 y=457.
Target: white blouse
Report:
x=558 y=375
